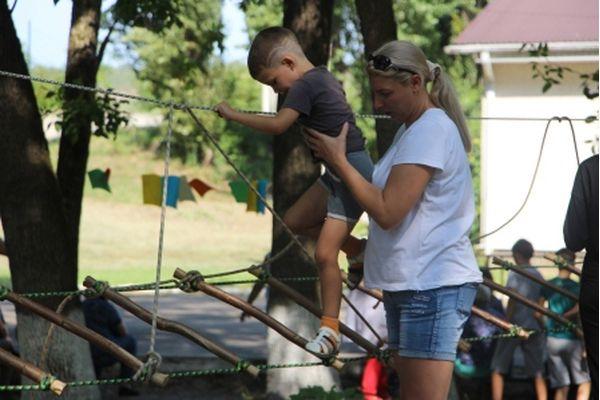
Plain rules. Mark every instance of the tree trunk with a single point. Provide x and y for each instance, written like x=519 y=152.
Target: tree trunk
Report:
x=82 y=66
x=33 y=219
x=293 y=173
x=378 y=27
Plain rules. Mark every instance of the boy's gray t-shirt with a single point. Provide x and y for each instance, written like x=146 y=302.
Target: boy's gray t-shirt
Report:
x=523 y=315
x=321 y=102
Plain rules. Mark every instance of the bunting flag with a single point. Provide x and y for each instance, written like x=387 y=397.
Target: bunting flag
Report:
x=262 y=190
x=99 y=179
x=200 y=187
x=185 y=193
x=252 y=199
x=152 y=189
x=172 y=190
x=239 y=189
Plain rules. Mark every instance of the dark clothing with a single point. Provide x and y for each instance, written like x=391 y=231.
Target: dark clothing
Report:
x=581 y=231
x=560 y=304
x=581 y=223
x=321 y=102
x=103 y=318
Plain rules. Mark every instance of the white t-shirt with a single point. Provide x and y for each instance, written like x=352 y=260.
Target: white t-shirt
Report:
x=430 y=248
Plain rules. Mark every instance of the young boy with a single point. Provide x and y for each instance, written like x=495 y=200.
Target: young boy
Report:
x=326 y=211
x=566 y=362
x=525 y=317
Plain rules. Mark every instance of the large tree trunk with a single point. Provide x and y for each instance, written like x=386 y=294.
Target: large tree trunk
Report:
x=293 y=172
x=378 y=27
x=33 y=219
x=82 y=66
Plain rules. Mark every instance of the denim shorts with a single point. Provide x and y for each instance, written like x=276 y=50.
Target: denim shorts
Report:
x=341 y=203
x=428 y=323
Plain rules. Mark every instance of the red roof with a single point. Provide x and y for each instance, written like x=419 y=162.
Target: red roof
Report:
x=533 y=21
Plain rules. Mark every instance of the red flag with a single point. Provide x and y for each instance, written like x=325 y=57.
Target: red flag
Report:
x=200 y=186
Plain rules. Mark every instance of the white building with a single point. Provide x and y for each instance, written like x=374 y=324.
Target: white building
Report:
x=510 y=148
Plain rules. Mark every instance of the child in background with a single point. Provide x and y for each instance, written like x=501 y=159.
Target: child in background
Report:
x=327 y=211
x=566 y=361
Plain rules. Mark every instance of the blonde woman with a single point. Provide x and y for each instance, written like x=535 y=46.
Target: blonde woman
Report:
x=421 y=208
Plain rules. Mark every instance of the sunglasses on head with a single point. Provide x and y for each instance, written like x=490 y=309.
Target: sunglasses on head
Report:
x=383 y=63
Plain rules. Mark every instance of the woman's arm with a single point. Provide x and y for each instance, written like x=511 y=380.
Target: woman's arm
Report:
x=388 y=206
x=275 y=125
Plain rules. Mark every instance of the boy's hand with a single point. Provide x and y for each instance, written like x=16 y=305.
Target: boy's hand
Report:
x=224 y=110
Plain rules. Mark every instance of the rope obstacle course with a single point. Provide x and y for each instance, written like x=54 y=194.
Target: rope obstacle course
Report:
x=193 y=281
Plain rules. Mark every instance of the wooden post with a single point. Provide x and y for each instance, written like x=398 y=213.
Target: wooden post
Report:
x=199 y=284
x=541 y=281
x=31 y=371
x=94 y=338
x=531 y=304
x=170 y=326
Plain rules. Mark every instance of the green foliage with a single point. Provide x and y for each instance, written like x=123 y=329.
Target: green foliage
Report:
x=552 y=74
x=154 y=15
x=179 y=65
x=318 y=393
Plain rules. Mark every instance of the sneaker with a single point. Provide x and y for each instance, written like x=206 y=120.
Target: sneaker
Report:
x=325 y=344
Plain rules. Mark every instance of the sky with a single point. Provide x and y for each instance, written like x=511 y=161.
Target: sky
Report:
x=43 y=29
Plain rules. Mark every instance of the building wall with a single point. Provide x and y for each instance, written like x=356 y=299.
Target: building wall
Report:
x=510 y=150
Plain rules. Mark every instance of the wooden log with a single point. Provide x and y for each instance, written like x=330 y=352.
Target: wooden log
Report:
x=171 y=326
x=31 y=371
x=562 y=264
x=541 y=281
x=199 y=284
x=94 y=338
x=316 y=311
x=531 y=304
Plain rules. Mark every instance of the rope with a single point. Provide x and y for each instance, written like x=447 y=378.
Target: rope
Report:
x=362 y=318
x=181 y=106
x=537 y=166
x=178 y=374
x=46 y=346
x=154 y=359
x=247 y=181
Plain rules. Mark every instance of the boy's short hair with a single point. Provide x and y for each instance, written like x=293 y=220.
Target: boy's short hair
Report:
x=268 y=45
x=567 y=255
x=524 y=248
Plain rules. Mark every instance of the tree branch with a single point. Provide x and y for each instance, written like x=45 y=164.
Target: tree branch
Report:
x=104 y=44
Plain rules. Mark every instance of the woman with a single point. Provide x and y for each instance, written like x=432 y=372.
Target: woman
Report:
x=420 y=204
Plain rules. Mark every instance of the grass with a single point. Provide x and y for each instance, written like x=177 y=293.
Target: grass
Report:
x=119 y=234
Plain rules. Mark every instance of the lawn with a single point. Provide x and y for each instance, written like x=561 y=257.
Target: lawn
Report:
x=119 y=234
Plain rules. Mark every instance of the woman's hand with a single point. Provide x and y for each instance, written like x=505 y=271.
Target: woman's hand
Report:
x=330 y=149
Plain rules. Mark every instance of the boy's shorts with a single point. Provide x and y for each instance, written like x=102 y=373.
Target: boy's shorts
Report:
x=566 y=363
x=533 y=350
x=341 y=203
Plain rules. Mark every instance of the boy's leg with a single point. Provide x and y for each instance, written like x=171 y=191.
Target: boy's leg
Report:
x=333 y=234
x=305 y=217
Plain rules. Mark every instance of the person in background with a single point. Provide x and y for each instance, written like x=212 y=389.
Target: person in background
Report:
x=102 y=317
x=581 y=232
x=525 y=317
x=566 y=362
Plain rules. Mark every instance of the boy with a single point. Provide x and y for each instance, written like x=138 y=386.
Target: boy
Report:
x=519 y=314
x=565 y=351
x=326 y=211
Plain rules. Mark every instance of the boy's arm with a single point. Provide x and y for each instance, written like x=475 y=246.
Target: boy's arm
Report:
x=270 y=125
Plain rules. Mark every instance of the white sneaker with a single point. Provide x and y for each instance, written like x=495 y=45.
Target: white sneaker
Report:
x=325 y=344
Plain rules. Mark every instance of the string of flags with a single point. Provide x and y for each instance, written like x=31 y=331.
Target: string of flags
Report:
x=180 y=189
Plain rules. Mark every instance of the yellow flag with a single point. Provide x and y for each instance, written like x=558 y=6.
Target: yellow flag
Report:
x=152 y=189
x=252 y=201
